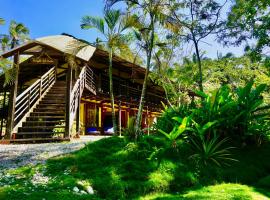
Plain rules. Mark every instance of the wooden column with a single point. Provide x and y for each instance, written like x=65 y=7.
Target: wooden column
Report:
x=128 y=110
x=3 y=112
x=120 y=118
x=12 y=98
x=68 y=100
x=100 y=116
x=78 y=111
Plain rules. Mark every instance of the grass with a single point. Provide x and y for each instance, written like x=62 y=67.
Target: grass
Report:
x=220 y=191
x=118 y=169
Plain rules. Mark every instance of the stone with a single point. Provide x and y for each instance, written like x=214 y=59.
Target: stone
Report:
x=89 y=190
x=76 y=189
x=83 y=192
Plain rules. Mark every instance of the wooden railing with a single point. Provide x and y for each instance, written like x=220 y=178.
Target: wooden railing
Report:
x=89 y=82
x=31 y=96
x=85 y=80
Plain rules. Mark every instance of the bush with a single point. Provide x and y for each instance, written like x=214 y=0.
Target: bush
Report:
x=264 y=182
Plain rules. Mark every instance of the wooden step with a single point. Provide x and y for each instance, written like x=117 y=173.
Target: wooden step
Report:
x=39 y=133
x=34 y=140
x=54 y=97
x=48 y=113
x=55 y=94
x=52 y=101
x=45 y=117
x=51 y=106
x=42 y=127
x=50 y=109
x=39 y=123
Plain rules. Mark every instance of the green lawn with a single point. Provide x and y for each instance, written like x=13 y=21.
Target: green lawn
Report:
x=117 y=169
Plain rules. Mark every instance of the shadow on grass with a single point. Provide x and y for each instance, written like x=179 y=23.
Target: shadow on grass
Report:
x=115 y=168
x=265 y=192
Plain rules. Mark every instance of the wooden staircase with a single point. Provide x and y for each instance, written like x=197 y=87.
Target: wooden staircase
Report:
x=45 y=111
x=47 y=120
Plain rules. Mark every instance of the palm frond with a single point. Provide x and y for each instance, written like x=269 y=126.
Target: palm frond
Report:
x=89 y=22
x=2 y=21
x=8 y=71
x=112 y=18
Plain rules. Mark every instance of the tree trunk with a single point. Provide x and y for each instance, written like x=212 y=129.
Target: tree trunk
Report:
x=148 y=63
x=111 y=91
x=12 y=98
x=200 y=81
x=140 y=110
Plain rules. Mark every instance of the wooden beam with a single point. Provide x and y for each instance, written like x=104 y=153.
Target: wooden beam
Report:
x=120 y=118
x=12 y=98
x=78 y=113
x=68 y=100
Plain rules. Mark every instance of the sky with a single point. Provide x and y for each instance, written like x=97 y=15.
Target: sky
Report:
x=53 y=17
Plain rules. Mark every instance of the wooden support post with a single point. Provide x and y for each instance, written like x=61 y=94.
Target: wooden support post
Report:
x=99 y=82
x=78 y=112
x=120 y=118
x=3 y=112
x=12 y=98
x=128 y=110
x=99 y=115
x=68 y=100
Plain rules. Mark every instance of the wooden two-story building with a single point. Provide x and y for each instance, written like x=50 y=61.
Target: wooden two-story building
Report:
x=60 y=89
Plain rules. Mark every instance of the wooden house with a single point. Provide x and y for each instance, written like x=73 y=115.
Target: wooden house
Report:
x=61 y=86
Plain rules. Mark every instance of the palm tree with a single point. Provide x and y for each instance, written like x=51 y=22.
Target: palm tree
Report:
x=2 y=21
x=112 y=27
x=4 y=43
x=149 y=14
x=17 y=33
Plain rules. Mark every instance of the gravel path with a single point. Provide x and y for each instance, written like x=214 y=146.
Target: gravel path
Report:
x=13 y=156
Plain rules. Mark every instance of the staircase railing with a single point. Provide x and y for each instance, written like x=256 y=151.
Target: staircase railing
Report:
x=27 y=100
x=85 y=80
x=90 y=82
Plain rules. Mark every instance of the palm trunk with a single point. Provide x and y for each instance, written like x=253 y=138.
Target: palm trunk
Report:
x=111 y=91
x=140 y=110
x=149 y=57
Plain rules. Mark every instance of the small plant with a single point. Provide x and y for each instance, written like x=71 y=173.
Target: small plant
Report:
x=201 y=130
x=211 y=151
x=177 y=130
x=59 y=129
x=130 y=131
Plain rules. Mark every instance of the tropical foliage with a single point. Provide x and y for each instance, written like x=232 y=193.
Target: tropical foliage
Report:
x=112 y=27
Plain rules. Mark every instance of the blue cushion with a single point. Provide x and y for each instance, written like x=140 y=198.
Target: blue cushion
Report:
x=91 y=129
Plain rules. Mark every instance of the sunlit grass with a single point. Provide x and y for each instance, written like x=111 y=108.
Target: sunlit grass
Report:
x=216 y=192
x=118 y=169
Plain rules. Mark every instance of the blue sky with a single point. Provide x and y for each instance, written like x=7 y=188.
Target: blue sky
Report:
x=52 y=17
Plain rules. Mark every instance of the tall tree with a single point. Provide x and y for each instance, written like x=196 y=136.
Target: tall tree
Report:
x=193 y=21
x=249 y=20
x=148 y=14
x=17 y=33
x=2 y=21
x=112 y=27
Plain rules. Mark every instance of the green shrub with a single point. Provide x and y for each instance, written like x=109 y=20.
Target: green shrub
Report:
x=264 y=182
x=165 y=122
